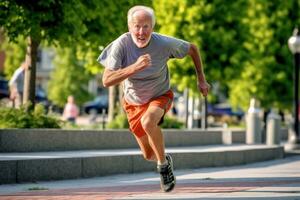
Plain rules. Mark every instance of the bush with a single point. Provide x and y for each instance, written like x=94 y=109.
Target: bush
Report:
x=21 y=118
x=172 y=122
x=121 y=122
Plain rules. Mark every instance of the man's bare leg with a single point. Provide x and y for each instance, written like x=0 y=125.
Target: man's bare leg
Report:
x=146 y=149
x=149 y=122
x=164 y=164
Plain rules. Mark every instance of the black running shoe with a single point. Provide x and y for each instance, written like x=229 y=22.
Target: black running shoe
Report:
x=167 y=178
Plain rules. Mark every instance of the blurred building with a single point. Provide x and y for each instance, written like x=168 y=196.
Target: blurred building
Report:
x=44 y=66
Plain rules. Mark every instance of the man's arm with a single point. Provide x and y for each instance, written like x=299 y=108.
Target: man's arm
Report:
x=13 y=84
x=113 y=77
x=203 y=86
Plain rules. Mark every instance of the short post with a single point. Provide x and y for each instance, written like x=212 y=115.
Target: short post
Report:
x=273 y=129
x=103 y=119
x=254 y=124
x=227 y=137
x=204 y=114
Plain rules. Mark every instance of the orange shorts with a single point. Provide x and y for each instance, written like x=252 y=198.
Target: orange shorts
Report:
x=135 y=112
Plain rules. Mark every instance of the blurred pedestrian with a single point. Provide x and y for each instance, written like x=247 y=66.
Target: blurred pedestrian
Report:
x=16 y=85
x=71 y=110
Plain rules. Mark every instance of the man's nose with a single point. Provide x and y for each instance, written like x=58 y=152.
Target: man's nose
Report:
x=141 y=30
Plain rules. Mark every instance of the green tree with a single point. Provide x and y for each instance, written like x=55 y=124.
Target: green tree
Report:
x=267 y=71
x=207 y=24
x=58 y=21
x=68 y=78
x=243 y=45
x=256 y=39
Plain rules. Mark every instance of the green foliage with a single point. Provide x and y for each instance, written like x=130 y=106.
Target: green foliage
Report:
x=14 y=55
x=69 y=126
x=243 y=45
x=46 y=21
x=171 y=122
x=22 y=118
x=91 y=25
x=210 y=26
x=69 y=77
x=52 y=21
x=119 y=122
x=267 y=69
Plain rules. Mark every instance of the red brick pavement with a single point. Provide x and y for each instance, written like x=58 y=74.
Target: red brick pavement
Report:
x=115 y=192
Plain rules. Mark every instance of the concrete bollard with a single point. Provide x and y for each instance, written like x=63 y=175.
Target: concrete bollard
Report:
x=273 y=129
x=254 y=124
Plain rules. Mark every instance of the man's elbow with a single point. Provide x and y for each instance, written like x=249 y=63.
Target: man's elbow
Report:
x=193 y=49
x=105 y=78
x=105 y=82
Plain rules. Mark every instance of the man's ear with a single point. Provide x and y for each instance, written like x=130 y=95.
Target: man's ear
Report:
x=128 y=27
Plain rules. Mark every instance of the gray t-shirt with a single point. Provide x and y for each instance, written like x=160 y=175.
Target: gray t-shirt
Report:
x=153 y=81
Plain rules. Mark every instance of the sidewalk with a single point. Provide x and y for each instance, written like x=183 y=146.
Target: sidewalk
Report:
x=277 y=179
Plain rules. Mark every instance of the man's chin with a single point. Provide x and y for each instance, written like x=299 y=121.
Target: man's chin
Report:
x=141 y=45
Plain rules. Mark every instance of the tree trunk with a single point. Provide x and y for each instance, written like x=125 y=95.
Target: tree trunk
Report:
x=30 y=72
x=120 y=87
x=112 y=102
x=115 y=98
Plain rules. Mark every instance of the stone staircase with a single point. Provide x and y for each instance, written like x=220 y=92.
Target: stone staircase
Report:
x=28 y=155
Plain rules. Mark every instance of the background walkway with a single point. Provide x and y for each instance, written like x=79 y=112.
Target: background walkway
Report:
x=277 y=179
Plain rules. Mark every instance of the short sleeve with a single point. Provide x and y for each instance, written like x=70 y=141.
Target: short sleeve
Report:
x=178 y=48
x=15 y=76
x=111 y=56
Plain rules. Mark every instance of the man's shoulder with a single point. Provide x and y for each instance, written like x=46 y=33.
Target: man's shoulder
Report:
x=124 y=38
x=159 y=36
x=169 y=41
x=19 y=70
x=164 y=39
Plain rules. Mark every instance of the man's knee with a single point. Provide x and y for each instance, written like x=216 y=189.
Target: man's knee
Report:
x=149 y=122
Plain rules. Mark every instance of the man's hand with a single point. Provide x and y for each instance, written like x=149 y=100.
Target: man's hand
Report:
x=13 y=94
x=143 y=62
x=113 y=77
x=203 y=87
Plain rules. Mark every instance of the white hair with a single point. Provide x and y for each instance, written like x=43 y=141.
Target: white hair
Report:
x=134 y=9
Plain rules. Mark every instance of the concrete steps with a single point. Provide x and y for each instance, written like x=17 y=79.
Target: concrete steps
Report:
x=28 y=155
x=40 y=140
x=37 y=166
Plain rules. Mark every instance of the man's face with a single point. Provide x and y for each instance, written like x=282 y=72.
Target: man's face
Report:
x=141 y=28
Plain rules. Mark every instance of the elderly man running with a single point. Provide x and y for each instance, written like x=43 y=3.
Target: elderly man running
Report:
x=139 y=58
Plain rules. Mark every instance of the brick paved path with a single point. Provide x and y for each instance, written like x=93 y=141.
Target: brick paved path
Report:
x=119 y=192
